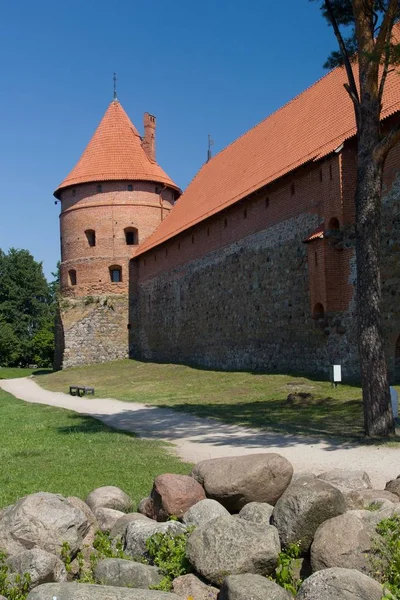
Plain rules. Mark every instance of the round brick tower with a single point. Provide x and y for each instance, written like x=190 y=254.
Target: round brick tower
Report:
x=111 y=201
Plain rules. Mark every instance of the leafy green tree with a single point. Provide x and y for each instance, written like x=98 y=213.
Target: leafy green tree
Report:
x=26 y=312
x=368 y=51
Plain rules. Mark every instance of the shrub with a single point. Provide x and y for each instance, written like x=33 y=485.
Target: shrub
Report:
x=284 y=575
x=386 y=556
x=15 y=587
x=168 y=553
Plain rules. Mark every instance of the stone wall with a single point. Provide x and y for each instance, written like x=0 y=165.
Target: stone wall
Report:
x=91 y=330
x=245 y=306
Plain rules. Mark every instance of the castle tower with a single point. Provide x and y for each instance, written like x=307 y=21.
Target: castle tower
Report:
x=111 y=201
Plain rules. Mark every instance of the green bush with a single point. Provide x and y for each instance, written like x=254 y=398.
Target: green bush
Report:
x=386 y=556
x=14 y=587
x=168 y=553
x=284 y=575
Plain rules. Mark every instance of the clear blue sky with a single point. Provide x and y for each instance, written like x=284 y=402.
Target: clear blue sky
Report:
x=200 y=67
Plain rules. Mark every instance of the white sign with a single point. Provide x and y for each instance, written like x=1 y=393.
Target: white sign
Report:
x=336 y=373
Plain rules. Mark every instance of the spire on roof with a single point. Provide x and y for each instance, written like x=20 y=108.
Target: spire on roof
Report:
x=115 y=86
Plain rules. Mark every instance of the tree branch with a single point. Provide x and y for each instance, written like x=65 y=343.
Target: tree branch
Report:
x=387 y=143
x=351 y=87
x=386 y=27
x=385 y=64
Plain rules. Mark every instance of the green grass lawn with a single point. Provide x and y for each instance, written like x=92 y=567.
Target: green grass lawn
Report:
x=14 y=372
x=258 y=400
x=54 y=450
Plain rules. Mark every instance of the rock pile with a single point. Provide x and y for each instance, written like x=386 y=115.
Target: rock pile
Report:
x=238 y=514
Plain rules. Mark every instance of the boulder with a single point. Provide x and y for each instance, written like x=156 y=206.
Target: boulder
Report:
x=257 y=512
x=93 y=524
x=393 y=486
x=172 y=495
x=204 y=511
x=345 y=541
x=138 y=532
x=107 y=518
x=359 y=499
x=339 y=584
x=85 y=591
x=120 y=525
x=346 y=479
x=190 y=586
x=226 y=546
x=109 y=496
x=126 y=573
x=237 y=480
x=254 y=587
x=44 y=521
x=145 y=506
x=306 y=504
x=42 y=566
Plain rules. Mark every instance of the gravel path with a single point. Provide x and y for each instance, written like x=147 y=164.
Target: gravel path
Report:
x=197 y=438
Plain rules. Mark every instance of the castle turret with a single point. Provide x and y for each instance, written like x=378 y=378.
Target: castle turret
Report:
x=111 y=201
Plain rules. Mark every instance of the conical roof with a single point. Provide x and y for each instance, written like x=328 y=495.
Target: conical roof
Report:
x=114 y=153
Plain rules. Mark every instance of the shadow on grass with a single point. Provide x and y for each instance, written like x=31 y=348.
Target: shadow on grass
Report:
x=91 y=425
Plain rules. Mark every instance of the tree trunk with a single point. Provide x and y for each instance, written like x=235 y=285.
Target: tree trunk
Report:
x=378 y=416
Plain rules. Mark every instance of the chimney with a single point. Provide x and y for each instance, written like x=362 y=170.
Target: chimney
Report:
x=149 y=139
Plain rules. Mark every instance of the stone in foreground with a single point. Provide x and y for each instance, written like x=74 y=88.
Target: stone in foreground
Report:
x=345 y=541
x=359 y=499
x=306 y=503
x=228 y=546
x=190 y=586
x=126 y=573
x=44 y=521
x=237 y=480
x=138 y=532
x=109 y=496
x=393 y=486
x=347 y=479
x=173 y=495
x=42 y=566
x=120 y=526
x=204 y=511
x=254 y=587
x=107 y=518
x=84 y=591
x=340 y=584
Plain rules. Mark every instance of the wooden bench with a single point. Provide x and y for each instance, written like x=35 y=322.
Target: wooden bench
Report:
x=81 y=390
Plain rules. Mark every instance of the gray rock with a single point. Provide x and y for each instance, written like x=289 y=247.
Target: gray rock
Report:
x=107 y=518
x=359 y=499
x=93 y=524
x=393 y=486
x=44 y=521
x=257 y=512
x=109 y=496
x=138 y=532
x=346 y=479
x=345 y=541
x=306 y=504
x=340 y=584
x=42 y=566
x=254 y=587
x=226 y=546
x=204 y=511
x=237 y=480
x=121 y=524
x=84 y=591
x=187 y=586
x=145 y=506
x=126 y=573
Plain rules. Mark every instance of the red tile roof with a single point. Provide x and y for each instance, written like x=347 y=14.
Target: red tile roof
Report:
x=115 y=153
x=308 y=128
x=317 y=234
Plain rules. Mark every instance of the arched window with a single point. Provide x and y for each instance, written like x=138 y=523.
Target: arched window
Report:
x=318 y=311
x=72 y=277
x=334 y=224
x=91 y=236
x=131 y=236
x=115 y=274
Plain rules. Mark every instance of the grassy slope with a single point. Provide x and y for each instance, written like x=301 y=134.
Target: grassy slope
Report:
x=258 y=400
x=14 y=373
x=55 y=450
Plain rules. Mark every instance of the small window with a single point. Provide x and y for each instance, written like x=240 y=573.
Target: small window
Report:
x=245 y=213
x=74 y=192
x=166 y=251
x=130 y=187
x=91 y=237
x=99 y=188
x=334 y=224
x=318 y=312
x=155 y=257
x=330 y=172
x=267 y=202
x=179 y=245
x=208 y=231
x=292 y=189
x=158 y=190
x=72 y=277
x=225 y=223
x=192 y=239
x=320 y=175
x=131 y=236
x=116 y=274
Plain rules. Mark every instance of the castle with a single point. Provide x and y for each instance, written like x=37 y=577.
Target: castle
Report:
x=252 y=267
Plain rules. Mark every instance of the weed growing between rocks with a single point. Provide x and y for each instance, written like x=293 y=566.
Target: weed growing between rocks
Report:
x=386 y=557
x=168 y=553
x=13 y=586
x=284 y=575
